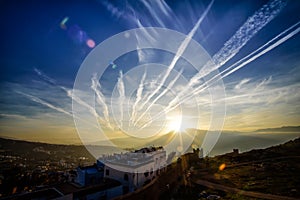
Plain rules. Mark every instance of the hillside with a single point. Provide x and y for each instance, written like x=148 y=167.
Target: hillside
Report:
x=281 y=129
x=228 y=140
x=35 y=153
x=274 y=170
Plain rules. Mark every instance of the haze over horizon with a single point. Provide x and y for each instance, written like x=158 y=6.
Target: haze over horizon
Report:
x=279 y=132
x=253 y=45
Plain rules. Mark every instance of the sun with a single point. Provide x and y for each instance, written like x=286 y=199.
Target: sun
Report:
x=174 y=123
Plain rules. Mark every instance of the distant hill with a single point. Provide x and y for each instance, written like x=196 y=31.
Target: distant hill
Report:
x=244 y=141
x=252 y=140
x=281 y=129
x=42 y=151
x=290 y=148
x=287 y=149
x=228 y=140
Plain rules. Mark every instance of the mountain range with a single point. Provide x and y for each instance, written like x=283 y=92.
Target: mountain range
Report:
x=228 y=140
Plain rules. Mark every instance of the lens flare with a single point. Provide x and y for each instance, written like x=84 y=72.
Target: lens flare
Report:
x=90 y=43
x=222 y=167
x=63 y=23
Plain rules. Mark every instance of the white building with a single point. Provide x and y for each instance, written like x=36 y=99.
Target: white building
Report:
x=135 y=169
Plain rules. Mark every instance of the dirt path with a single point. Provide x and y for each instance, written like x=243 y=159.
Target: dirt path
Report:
x=241 y=192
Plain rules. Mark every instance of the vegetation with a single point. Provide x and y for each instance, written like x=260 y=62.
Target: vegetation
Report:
x=274 y=170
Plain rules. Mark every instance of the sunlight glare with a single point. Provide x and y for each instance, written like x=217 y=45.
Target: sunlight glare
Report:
x=174 y=123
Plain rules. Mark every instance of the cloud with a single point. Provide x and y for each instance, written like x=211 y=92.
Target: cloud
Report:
x=264 y=82
x=13 y=116
x=121 y=91
x=273 y=43
x=272 y=101
x=161 y=82
x=42 y=102
x=44 y=76
x=246 y=32
x=101 y=99
x=138 y=97
x=241 y=83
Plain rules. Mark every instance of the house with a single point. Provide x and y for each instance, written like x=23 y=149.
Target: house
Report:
x=135 y=169
x=89 y=175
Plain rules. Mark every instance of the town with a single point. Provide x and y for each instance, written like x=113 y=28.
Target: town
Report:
x=149 y=173
x=59 y=171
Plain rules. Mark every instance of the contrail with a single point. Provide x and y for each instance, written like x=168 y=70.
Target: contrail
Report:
x=246 y=60
x=47 y=79
x=153 y=13
x=158 y=10
x=145 y=36
x=170 y=85
x=178 y=54
x=282 y=40
x=138 y=97
x=100 y=98
x=152 y=86
x=81 y=102
x=44 y=103
x=44 y=76
x=271 y=44
x=164 y=7
x=254 y=93
x=69 y=93
x=249 y=29
x=264 y=82
x=40 y=101
x=121 y=90
x=90 y=108
x=276 y=41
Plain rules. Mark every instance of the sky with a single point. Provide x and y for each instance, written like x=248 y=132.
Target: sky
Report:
x=234 y=65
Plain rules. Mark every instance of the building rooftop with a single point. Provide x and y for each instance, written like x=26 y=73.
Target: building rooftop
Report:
x=134 y=158
x=148 y=149
x=91 y=169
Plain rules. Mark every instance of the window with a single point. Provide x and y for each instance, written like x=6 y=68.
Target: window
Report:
x=107 y=172
x=146 y=174
x=126 y=177
x=151 y=172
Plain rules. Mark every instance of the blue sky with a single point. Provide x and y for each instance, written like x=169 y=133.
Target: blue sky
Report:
x=40 y=60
